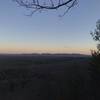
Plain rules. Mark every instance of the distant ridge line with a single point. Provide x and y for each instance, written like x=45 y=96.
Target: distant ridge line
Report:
x=47 y=54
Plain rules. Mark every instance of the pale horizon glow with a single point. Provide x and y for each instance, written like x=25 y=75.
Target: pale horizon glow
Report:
x=46 y=32
x=52 y=50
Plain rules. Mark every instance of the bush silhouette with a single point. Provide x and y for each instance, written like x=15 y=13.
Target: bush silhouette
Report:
x=96 y=53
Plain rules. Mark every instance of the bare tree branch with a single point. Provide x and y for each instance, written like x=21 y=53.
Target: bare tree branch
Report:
x=37 y=5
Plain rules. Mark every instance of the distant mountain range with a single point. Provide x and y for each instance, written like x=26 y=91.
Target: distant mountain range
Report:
x=49 y=54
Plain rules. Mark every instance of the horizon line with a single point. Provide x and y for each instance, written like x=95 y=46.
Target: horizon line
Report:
x=44 y=54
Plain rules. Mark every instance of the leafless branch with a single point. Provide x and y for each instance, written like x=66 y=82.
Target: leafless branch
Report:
x=36 y=5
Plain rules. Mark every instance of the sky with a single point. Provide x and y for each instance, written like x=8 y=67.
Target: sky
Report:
x=46 y=32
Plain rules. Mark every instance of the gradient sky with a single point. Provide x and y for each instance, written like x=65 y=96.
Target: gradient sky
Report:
x=46 y=32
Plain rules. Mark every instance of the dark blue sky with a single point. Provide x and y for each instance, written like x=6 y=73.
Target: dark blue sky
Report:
x=46 y=32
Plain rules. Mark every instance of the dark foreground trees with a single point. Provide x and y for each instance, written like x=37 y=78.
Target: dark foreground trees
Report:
x=41 y=5
x=95 y=64
x=96 y=54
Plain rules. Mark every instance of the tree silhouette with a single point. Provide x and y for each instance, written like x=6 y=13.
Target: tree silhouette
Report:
x=96 y=54
x=95 y=63
x=40 y=5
